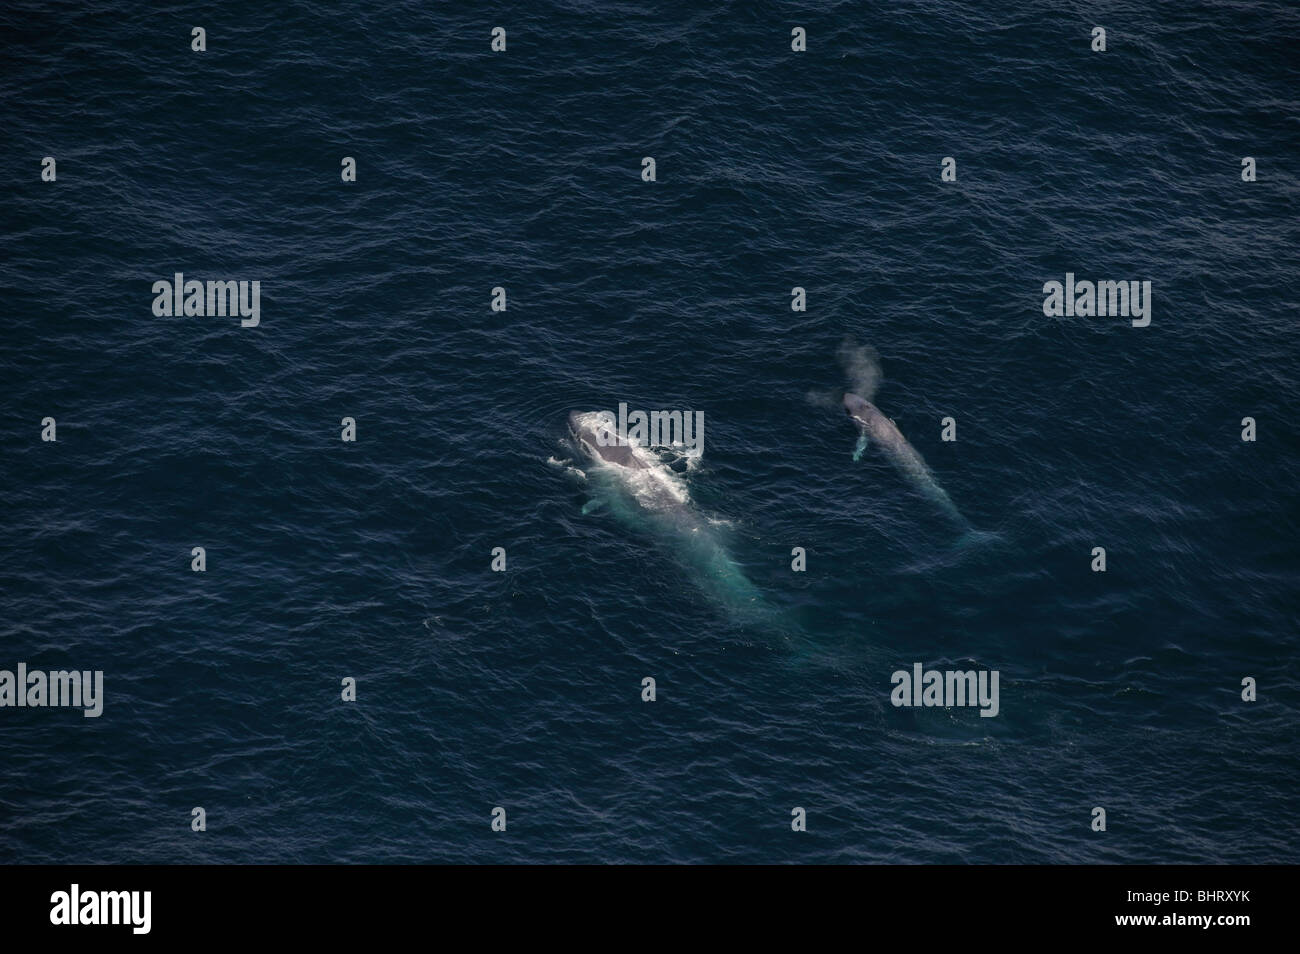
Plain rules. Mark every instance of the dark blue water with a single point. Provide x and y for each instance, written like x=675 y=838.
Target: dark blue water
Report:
x=522 y=689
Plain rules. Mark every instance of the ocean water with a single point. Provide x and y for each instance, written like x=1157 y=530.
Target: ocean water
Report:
x=522 y=689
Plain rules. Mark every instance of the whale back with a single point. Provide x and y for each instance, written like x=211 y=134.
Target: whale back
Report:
x=872 y=422
x=599 y=440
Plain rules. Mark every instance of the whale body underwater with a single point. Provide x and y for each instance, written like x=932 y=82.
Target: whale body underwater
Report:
x=873 y=426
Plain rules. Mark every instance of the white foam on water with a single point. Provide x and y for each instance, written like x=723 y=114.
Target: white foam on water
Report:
x=568 y=466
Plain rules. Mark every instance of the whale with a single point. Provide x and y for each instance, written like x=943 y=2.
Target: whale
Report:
x=647 y=495
x=654 y=485
x=875 y=427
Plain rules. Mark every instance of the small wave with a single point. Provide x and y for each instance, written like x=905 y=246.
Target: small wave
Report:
x=567 y=466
